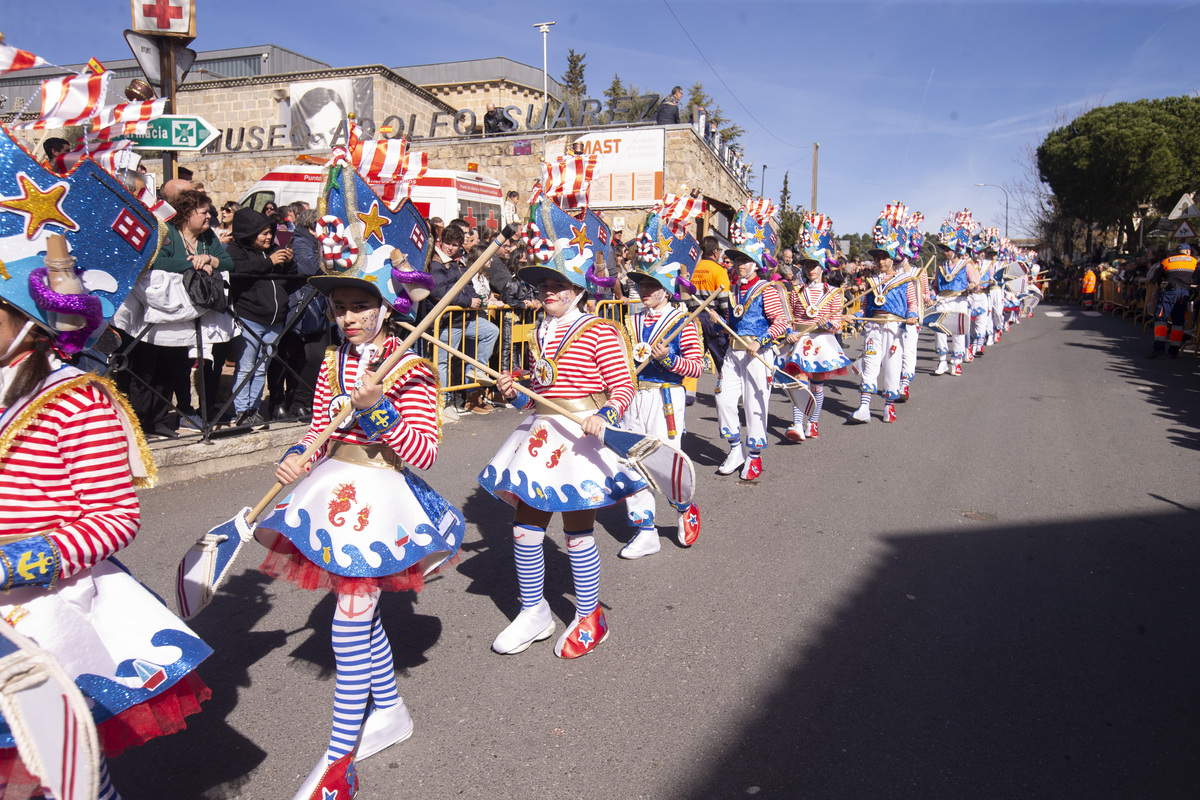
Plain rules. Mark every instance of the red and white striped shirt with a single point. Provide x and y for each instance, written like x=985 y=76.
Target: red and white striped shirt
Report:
x=415 y=439
x=596 y=360
x=816 y=302
x=67 y=475
x=690 y=362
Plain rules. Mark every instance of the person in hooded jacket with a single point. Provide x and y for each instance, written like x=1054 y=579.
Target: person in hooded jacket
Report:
x=261 y=304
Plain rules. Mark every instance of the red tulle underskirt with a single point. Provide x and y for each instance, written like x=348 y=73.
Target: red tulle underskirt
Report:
x=160 y=715
x=285 y=561
x=793 y=369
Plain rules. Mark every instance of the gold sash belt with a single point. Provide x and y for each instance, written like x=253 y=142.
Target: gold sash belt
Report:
x=366 y=455
x=576 y=405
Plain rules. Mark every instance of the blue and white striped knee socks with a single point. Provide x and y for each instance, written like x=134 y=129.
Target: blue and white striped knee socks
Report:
x=384 y=693
x=818 y=390
x=585 y=570
x=107 y=791
x=531 y=563
x=353 y=622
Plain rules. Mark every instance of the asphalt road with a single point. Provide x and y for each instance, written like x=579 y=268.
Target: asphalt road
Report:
x=993 y=598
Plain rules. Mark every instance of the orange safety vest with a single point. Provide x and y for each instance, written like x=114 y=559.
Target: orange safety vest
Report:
x=1089 y=282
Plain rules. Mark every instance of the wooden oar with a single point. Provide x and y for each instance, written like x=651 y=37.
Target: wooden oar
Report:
x=203 y=568
x=671 y=473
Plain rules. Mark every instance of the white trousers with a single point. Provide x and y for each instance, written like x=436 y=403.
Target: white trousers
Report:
x=744 y=377
x=997 y=295
x=645 y=415
x=952 y=305
x=981 y=322
x=908 y=350
x=881 y=359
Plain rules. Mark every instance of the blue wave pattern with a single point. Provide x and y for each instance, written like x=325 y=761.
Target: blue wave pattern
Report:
x=111 y=698
x=443 y=523
x=567 y=497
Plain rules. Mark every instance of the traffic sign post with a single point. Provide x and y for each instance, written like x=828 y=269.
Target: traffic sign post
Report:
x=175 y=132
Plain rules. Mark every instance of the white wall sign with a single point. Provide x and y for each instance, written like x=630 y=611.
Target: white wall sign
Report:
x=629 y=171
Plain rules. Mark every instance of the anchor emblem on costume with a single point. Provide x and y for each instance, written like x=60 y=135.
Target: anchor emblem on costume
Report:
x=25 y=568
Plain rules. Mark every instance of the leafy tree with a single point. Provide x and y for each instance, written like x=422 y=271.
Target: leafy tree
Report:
x=573 y=80
x=1104 y=164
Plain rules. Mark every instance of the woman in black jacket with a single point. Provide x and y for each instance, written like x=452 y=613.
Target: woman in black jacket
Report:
x=261 y=304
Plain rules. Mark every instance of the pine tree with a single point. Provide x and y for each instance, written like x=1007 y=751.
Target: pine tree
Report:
x=785 y=194
x=615 y=89
x=573 y=80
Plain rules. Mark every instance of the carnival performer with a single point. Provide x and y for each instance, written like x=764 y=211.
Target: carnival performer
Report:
x=758 y=319
x=890 y=303
x=953 y=280
x=550 y=464
x=983 y=253
x=999 y=286
x=71 y=454
x=664 y=262
x=1176 y=275
x=816 y=311
x=910 y=334
x=360 y=523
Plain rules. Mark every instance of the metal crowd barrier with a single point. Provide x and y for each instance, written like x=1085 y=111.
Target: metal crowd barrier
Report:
x=114 y=362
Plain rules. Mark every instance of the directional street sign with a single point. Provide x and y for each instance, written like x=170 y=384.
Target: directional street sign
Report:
x=175 y=132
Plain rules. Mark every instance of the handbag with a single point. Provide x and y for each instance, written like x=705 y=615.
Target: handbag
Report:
x=206 y=290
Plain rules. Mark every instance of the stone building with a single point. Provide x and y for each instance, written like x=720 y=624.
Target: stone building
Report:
x=275 y=107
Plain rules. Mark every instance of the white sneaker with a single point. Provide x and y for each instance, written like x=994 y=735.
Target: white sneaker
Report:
x=942 y=368
x=733 y=461
x=384 y=728
x=795 y=433
x=644 y=544
x=449 y=412
x=863 y=414
x=531 y=625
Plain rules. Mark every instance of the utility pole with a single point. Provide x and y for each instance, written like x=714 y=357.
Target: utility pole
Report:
x=762 y=184
x=813 y=207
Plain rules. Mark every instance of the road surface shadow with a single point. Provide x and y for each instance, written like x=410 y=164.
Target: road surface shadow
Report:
x=1171 y=383
x=1053 y=660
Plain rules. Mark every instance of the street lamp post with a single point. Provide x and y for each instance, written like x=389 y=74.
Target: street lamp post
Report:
x=762 y=184
x=1001 y=188
x=544 y=27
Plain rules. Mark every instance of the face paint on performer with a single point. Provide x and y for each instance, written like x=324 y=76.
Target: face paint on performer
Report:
x=654 y=296
x=746 y=268
x=558 y=297
x=359 y=315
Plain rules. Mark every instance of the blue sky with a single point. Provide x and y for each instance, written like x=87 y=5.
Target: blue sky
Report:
x=910 y=101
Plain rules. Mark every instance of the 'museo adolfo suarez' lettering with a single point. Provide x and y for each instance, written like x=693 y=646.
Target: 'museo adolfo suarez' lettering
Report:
x=446 y=124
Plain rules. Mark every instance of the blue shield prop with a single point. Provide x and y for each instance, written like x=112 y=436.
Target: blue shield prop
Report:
x=111 y=234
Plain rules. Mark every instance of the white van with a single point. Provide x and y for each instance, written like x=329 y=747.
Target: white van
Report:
x=444 y=193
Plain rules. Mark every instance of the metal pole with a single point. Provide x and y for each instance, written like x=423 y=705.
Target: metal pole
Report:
x=813 y=207
x=762 y=184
